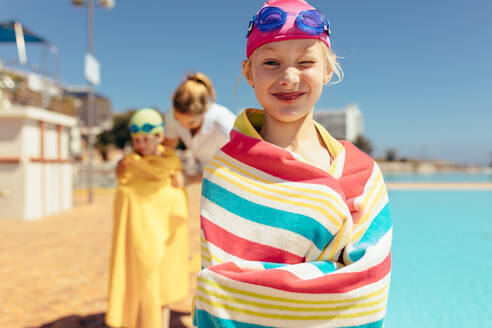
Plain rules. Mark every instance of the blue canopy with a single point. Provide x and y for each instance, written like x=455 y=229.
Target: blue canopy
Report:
x=7 y=34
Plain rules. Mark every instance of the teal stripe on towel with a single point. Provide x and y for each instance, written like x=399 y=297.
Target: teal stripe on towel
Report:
x=206 y=320
x=377 y=229
x=325 y=266
x=297 y=223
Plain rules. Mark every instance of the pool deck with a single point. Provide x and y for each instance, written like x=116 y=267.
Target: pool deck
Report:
x=54 y=271
x=439 y=186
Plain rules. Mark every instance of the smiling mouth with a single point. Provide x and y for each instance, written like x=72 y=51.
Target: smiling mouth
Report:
x=288 y=96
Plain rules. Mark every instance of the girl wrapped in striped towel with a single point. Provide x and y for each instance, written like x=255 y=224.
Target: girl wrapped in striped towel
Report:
x=295 y=225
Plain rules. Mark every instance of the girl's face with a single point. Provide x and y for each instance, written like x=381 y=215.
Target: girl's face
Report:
x=288 y=77
x=188 y=121
x=146 y=144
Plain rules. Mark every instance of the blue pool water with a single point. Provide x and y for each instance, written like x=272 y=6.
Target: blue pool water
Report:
x=442 y=259
x=438 y=177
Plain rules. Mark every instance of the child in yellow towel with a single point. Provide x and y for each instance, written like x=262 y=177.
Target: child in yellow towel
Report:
x=149 y=257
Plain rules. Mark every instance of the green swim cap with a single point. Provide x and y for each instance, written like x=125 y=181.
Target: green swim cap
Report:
x=146 y=121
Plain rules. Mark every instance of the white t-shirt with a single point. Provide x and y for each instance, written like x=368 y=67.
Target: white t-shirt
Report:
x=214 y=133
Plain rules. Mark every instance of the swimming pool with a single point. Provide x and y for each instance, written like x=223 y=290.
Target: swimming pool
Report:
x=438 y=177
x=442 y=263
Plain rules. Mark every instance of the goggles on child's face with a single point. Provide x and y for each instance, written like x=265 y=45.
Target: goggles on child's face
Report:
x=146 y=128
x=273 y=18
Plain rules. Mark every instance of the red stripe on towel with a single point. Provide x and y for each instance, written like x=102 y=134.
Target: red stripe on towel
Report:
x=356 y=173
x=243 y=248
x=284 y=280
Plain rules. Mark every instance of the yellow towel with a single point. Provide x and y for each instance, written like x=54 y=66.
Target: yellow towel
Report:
x=149 y=260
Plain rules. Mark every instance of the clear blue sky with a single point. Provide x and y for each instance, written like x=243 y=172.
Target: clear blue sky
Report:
x=419 y=70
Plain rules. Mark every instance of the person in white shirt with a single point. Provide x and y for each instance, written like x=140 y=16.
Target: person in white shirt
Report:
x=197 y=120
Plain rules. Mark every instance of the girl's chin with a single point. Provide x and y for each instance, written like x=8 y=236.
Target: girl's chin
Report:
x=288 y=115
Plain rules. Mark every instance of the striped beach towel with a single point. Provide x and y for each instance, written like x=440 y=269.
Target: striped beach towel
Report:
x=286 y=244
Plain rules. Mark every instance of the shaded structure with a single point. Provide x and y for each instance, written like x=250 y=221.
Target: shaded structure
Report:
x=8 y=33
x=15 y=32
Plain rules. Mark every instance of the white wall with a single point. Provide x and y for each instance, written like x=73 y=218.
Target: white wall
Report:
x=50 y=141
x=10 y=137
x=33 y=201
x=11 y=182
x=65 y=143
x=31 y=144
x=52 y=188
x=353 y=122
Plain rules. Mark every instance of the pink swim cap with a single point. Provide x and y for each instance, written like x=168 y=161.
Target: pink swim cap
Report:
x=288 y=31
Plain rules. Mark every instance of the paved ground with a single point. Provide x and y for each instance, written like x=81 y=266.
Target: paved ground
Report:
x=54 y=271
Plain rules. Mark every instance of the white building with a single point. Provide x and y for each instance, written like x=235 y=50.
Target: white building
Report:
x=35 y=166
x=346 y=123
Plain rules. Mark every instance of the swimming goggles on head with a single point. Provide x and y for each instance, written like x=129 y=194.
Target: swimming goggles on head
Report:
x=272 y=18
x=146 y=128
